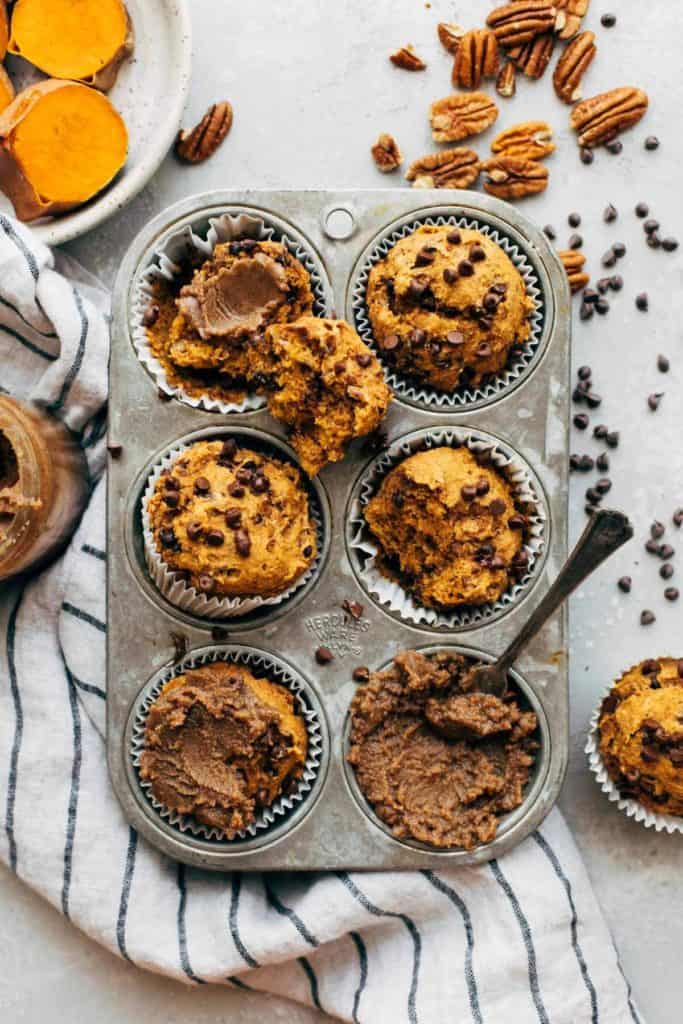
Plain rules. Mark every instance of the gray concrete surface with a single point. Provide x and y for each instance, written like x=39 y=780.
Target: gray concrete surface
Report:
x=311 y=88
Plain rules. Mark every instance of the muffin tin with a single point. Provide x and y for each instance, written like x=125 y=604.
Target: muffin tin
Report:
x=526 y=414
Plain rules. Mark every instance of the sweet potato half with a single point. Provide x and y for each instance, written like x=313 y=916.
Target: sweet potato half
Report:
x=60 y=144
x=80 y=40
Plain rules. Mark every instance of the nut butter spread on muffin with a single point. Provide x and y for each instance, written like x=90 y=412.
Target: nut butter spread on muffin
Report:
x=325 y=383
x=437 y=762
x=447 y=306
x=233 y=522
x=641 y=734
x=221 y=745
x=448 y=529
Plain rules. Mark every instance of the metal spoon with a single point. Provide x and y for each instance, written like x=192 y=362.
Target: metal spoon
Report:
x=606 y=531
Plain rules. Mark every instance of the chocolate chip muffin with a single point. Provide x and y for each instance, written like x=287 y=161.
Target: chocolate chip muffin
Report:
x=641 y=734
x=324 y=383
x=232 y=522
x=447 y=307
x=222 y=745
x=448 y=528
x=438 y=762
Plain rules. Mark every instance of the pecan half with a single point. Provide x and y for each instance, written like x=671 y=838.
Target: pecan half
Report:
x=513 y=177
x=386 y=154
x=204 y=139
x=570 y=14
x=572 y=65
x=450 y=35
x=407 y=59
x=533 y=58
x=477 y=57
x=573 y=262
x=601 y=118
x=530 y=140
x=506 y=82
x=518 y=22
x=451 y=168
x=460 y=115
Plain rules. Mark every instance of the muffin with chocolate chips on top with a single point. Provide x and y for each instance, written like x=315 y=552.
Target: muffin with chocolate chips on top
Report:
x=447 y=307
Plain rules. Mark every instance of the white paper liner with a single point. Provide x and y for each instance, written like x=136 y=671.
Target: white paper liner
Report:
x=186 y=597
x=389 y=593
x=421 y=394
x=166 y=264
x=277 y=672
x=632 y=808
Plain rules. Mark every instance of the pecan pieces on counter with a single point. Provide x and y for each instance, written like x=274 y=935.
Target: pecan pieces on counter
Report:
x=572 y=66
x=458 y=116
x=512 y=177
x=568 y=17
x=386 y=154
x=406 y=58
x=203 y=140
x=530 y=140
x=573 y=262
x=517 y=23
x=476 y=57
x=450 y=168
x=601 y=118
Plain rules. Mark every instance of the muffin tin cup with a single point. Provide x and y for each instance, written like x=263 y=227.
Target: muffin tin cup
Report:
x=366 y=553
x=187 y=598
x=631 y=808
x=421 y=394
x=164 y=265
x=261 y=663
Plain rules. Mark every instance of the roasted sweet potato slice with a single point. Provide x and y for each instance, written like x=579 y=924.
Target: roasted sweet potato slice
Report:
x=81 y=40
x=60 y=144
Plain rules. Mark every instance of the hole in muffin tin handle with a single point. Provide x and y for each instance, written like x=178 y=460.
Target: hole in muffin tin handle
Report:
x=338 y=223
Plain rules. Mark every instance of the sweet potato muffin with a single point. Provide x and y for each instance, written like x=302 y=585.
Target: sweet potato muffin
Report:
x=448 y=528
x=447 y=307
x=641 y=734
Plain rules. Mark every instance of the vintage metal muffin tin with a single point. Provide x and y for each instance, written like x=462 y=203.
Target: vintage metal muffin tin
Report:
x=333 y=827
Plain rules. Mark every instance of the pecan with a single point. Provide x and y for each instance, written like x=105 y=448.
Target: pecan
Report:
x=476 y=58
x=386 y=153
x=407 y=59
x=572 y=65
x=451 y=168
x=512 y=177
x=506 y=84
x=533 y=58
x=573 y=262
x=455 y=117
x=568 y=17
x=601 y=118
x=450 y=35
x=530 y=140
x=204 y=139
x=518 y=22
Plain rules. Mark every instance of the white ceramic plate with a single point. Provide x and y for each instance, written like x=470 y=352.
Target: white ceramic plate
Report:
x=150 y=93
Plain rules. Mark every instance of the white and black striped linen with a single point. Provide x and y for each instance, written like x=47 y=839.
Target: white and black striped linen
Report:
x=516 y=942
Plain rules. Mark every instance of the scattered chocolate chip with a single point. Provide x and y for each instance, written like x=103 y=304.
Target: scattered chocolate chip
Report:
x=584 y=373
x=353 y=608
x=167 y=537
x=172 y=498
x=575 y=242
x=602 y=462
x=647 y=617
x=666 y=571
x=651 y=142
x=657 y=529
x=608 y=20
x=593 y=496
x=669 y=244
x=549 y=232
x=215 y=538
x=450 y=275
x=600 y=432
x=603 y=284
x=666 y=552
x=603 y=485
x=574 y=219
x=242 y=542
x=581 y=421
x=454 y=237
x=497 y=507
x=361 y=674
x=244 y=475
x=625 y=584
x=586 y=311
x=202 y=485
x=610 y=214
x=194 y=530
x=593 y=400
x=151 y=315
x=115 y=451
x=586 y=155
x=616 y=282
x=652 y=547
x=642 y=302
x=609 y=259
x=465 y=268
x=259 y=484
x=642 y=210
x=425 y=256
x=517 y=522
x=654 y=400
x=651 y=226
x=619 y=250
x=324 y=655
x=586 y=463
x=678 y=517
x=206 y=583
x=612 y=439
x=477 y=253
x=671 y=593
x=233 y=518
x=417 y=288
x=601 y=306
x=654 y=241
x=236 y=490
x=171 y=484
x=615 y=147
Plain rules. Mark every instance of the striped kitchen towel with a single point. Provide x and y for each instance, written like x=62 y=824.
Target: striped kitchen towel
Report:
x=518 y=941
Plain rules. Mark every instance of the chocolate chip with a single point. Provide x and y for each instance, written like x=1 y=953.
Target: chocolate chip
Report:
x=586 y=155
x=307 y=551
x=468 y=492
x=353 y=608
x=455 y=338
x=584 y=373
x=679 y=668
x=425 y=256
x=593 y=496
x=361 y=674
x=194 y=530
x=651 y=143
x=615 y=147
x=450 y=275
x=233 y=518
x=521 y=558
x=602 y=307
x=609 y=259
x=151 y=315
x=654 y=241
x=586 y=311
x=654 y=400
x=364 y=359
x=642 y=210
x=236 y=491
x=608 y=20
x=517 y=522
x=260 y=484
x=612 y=439
x=678 y=517
x=669 y=244
x=324 y=655
x=625 y=583
x=215 y=538
x=649 y=667
x=228 y=451
x=602 y=462
x=242 y=543
x=575 y=242
x=244 y=475
x=202 y=485
x=619 y=250
x=491 y=302
x=454 y=237
x=657 y=529
x=483 y=487
x=603 y=486
x=581 y=421
x=171 y=484
x=585 y=464
x=206 y=583
x=497 y=507
x=593 y=400
x=574 y=219
x=477 y=254
x=666 y=571
x=671 y=593
x=666 y=552
x=172 y=498
x=651 y=226
x=610 y=214
x=417 y=287
x=603 y=284
x=652 y=547
x=549 y=232
x=483 y=350
x=647 y=617
x=390 y=342
x=167 y=537
x=115 y=451
x=465 y=268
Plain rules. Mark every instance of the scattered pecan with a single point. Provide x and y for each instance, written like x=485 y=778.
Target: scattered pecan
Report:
x=533 y=58
x=518 y=22
x=477 y=57
x=601 y=118
x=460 y=115
x=513 y=177
x=204 y=139
x=506 y=82
x=386 y=153
x=450 y=35
x=568 y=17
x=451 y=168
x=407 y=59
x=572 y=65
x=530 y=140
x=573 y=262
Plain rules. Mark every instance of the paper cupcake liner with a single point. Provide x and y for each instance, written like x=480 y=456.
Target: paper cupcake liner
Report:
x=631 y=808
x=185 y=597
x=421 y=394
x=165 y=264
x=365 y=552
x=276 y=671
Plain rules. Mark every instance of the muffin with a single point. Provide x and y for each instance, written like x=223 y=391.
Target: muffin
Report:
x=447 y=307
x=448 y=529
x=438 y=762
x=324 y=383
x=222 y=745
x=232 y=522
x=210 y=317
x=640 y=732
